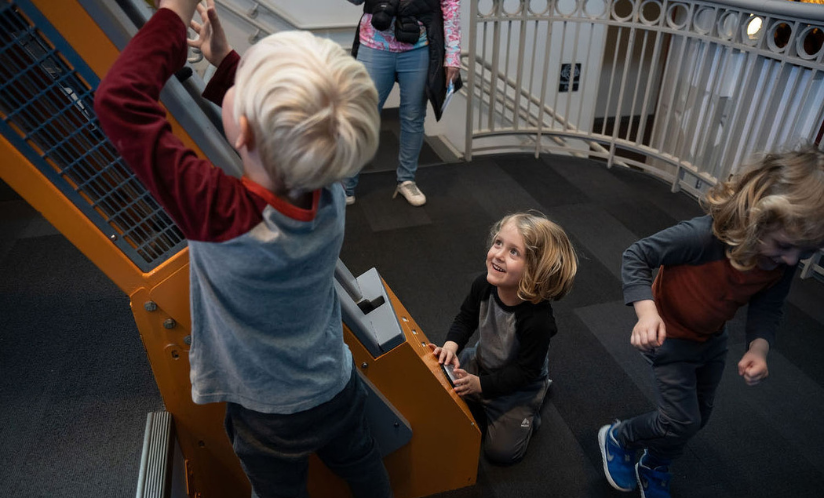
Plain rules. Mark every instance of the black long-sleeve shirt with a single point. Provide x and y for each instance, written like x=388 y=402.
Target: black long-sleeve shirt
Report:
x=514 y=340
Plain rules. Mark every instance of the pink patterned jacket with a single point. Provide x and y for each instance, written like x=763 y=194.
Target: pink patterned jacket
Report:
x=385 y=40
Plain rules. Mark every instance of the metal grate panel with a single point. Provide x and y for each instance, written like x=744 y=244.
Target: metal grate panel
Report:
x=46 y=106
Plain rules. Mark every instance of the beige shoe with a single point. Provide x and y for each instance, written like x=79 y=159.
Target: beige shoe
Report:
x=350 y=199
x=411 y=193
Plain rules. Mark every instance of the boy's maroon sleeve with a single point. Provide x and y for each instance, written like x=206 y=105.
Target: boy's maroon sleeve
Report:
x=223 y=79
x=204 y=202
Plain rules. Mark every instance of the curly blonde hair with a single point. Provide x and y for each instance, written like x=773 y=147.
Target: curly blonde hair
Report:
x=550 y=260
x=781 y=191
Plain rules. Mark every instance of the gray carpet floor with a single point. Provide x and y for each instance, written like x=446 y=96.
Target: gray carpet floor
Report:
x=763 y=441
x=75 y=384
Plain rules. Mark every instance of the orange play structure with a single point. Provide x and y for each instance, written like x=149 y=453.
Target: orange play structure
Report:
x=56 y=157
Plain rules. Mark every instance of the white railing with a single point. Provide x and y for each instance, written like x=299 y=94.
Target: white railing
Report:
x=813 y=267
x=264 y=17
x=682 y=90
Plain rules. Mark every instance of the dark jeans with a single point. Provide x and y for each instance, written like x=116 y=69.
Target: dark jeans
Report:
x=274 y=449
x=510 y=420
x=687 y=374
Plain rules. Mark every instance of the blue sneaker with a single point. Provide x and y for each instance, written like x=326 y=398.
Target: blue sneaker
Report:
x=653 y=482
x=619 y=463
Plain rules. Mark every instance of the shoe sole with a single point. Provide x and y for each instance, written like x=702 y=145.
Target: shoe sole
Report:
x=602 y=443
x=638 y=480
x=411 y=203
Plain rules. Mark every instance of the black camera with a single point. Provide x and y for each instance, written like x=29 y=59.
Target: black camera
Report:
x=383 y=13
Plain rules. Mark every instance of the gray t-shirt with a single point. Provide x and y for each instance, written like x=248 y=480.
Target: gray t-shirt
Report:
x=266 y=323
x=513 y=340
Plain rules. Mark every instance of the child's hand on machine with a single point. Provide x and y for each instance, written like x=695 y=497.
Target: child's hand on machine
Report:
x=446 y=354
x=466 y=383
x=211 y=39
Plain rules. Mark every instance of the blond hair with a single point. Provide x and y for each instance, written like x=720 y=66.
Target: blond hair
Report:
x=312 y=107
x=780 y=191
x=550 y=260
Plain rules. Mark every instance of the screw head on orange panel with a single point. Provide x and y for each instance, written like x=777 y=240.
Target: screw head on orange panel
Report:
x=169 y=323
x=150 y=306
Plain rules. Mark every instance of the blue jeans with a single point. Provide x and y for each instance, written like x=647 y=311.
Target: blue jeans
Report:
x=687 y=374
x=274 y=449
x=409 y=69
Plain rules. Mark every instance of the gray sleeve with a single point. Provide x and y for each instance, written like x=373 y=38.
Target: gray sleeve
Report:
x=688 y=242
x=766 y=309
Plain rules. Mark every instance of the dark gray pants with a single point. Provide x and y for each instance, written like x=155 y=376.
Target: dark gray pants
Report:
x=510 y=419
x=274 y=449
x=687 y=374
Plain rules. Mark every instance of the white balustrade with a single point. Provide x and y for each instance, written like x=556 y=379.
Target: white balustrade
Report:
x=684 y=90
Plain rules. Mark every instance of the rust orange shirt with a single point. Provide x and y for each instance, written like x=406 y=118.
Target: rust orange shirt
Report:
x=697 y=290
x=696 y=301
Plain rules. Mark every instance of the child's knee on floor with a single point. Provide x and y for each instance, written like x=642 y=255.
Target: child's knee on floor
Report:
x=503 y=453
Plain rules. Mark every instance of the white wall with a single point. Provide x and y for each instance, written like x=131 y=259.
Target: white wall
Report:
x=334 y=19
x=313 y=14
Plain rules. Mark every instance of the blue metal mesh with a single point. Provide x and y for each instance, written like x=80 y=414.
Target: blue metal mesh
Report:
x=47 y=112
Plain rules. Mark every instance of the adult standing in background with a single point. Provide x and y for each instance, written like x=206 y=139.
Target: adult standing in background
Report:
x=417 y=44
